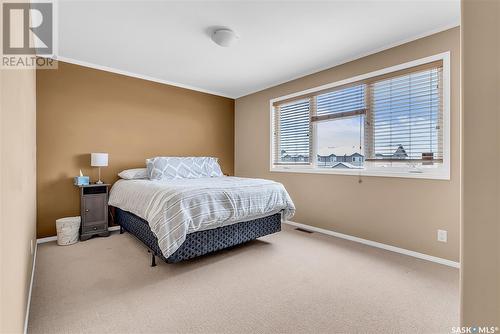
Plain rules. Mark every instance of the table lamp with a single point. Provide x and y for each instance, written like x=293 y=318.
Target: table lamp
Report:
x=99 y=160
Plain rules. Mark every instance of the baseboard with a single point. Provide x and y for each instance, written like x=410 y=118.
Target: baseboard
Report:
x=46 y=239
x=54 y=238
x=377 y=245
x=395 y=249
x=28 y=302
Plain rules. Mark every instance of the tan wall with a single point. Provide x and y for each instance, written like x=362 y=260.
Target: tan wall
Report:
x=480 y=283
x=82 y=110
x=401 y=212
x=17 y=194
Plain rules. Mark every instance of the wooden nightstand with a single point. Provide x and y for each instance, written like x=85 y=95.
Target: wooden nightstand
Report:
x=94 y=210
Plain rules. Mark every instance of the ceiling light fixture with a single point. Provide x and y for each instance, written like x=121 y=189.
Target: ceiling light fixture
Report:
x=225 y=37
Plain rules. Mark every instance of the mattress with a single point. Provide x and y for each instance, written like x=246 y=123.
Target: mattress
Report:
x=175 y=208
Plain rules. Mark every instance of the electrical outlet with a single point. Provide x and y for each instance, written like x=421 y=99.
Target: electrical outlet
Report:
x=442 y=235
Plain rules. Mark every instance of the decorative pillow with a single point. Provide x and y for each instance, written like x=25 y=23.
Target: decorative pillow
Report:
x=182 y=168
x=133 y=174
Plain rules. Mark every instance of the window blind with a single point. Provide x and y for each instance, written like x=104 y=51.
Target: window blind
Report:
x=401 y=119
x=345 y=102
x=292 y=128
x=405 y=118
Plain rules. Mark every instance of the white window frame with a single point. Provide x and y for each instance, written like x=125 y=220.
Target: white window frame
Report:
x=438 y=173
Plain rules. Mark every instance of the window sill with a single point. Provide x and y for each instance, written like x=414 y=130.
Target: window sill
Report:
x=431 y=174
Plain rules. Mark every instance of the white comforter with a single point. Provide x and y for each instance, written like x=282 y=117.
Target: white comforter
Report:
x=174 y=208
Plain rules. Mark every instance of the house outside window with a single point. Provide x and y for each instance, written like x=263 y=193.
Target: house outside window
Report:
x=392 y=122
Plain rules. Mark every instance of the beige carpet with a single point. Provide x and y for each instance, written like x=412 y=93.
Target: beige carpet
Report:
x=290 y=282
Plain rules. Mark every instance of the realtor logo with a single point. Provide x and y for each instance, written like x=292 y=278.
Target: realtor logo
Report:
x=28 y=34
x=27 y=28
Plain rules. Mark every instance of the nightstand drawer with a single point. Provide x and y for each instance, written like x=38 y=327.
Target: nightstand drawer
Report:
x=94 y=228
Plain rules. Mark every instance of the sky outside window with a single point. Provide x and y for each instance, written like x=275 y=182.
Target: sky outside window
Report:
x=342 y=136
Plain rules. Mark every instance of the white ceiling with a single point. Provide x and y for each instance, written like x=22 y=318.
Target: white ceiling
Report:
x=168 y=41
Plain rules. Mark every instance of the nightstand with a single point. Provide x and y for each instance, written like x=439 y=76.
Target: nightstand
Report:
x=94 y=210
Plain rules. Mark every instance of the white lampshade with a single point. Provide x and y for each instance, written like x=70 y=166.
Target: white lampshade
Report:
x=98 y=159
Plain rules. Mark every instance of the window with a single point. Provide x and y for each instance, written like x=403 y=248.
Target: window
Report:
x=292 y=126
x=406 y=118
x=339 y=119
x=391 y=122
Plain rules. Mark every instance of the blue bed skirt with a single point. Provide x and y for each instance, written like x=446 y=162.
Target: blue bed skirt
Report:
x=202 y=242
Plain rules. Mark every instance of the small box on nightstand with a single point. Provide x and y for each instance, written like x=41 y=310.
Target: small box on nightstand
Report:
x=81 y=180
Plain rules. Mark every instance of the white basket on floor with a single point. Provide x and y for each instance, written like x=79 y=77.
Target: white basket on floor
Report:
x=67 y=230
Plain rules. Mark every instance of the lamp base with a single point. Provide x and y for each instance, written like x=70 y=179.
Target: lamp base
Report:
x=99 y=182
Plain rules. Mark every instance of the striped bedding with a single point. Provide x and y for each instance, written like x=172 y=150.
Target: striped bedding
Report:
x=174 y=208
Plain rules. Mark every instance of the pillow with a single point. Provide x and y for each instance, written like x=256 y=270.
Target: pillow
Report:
x=133 y=174
x=171 y=168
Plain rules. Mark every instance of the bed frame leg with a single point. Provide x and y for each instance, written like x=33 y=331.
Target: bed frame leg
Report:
x=121 y=230
x=153 y=260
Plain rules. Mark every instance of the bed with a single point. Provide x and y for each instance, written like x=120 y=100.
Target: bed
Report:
x=183 y=218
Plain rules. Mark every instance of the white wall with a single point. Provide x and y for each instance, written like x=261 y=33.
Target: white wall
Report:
x=17 y=194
